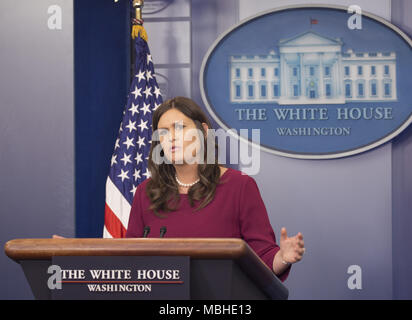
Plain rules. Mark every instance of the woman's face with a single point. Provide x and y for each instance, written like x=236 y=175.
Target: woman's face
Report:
x=179 y=137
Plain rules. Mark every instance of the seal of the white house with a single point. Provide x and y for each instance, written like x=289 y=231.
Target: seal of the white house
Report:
x=316 y=88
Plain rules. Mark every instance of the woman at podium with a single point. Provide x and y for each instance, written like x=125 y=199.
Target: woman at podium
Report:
x=188 y=194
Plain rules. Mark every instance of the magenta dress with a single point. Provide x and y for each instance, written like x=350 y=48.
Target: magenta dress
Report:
x=237 y=211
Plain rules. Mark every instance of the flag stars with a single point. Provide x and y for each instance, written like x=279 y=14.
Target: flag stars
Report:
x=138 y=158
x=149 y=75
x=145 y=108
x=134 y=109
x=123 y=175
x=113 y=161
x=126 y=159
x=133 y=190
x=157 y=92
x=131 y=126
x=136 y=174
x=143 y=125
x=140 y=142
x=148 y=92
x=140 y=75
x=157 y=105
x=137 y=92
x=149 y=58
x=147 y=174
x=129 y=142
x=117 y=145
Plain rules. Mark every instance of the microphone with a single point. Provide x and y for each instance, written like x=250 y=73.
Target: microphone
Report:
x=162 y=231
x=146 y=231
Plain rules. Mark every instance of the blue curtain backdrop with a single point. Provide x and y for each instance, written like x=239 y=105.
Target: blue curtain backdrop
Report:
x=102 y=78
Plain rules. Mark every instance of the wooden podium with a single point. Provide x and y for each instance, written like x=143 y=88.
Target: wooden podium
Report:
x=231 y=269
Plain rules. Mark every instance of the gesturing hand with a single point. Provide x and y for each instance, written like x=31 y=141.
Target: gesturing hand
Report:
x=291 y=249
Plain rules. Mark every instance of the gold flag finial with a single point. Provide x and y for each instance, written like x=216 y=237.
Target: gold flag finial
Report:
x=138 y=6
x=138 y=29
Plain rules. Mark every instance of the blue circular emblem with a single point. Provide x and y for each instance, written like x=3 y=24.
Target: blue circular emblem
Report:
x=318 y=81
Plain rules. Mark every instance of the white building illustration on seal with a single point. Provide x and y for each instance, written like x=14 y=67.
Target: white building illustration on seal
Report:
x=312 y=69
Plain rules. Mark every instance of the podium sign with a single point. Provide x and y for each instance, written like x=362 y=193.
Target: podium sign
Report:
x=145 y=268
x=120 y=277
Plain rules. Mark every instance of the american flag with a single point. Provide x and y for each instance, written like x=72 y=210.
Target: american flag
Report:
x=128 y=165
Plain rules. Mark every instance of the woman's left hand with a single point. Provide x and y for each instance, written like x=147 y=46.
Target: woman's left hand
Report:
x=291 y=249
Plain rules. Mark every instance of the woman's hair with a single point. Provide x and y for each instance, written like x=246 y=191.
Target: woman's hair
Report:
x=162 y=186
